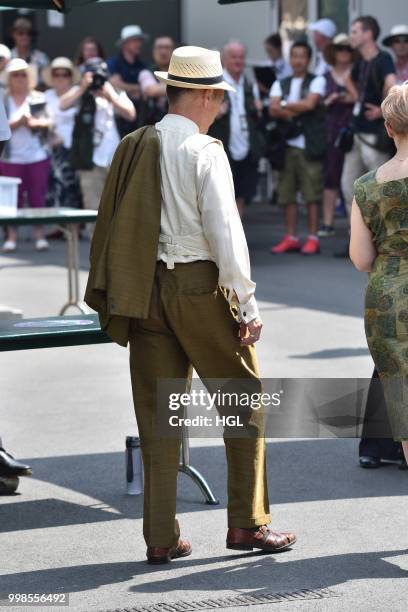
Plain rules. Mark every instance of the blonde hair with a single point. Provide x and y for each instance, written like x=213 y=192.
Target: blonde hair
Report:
x=395 y=108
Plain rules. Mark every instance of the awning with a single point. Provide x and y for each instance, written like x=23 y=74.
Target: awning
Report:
x=61 y=5
x=235 y=1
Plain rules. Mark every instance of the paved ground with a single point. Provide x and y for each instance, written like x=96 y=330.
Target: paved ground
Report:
x=71 y=529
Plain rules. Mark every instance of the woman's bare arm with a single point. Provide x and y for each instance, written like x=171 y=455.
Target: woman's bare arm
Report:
x=362 y=249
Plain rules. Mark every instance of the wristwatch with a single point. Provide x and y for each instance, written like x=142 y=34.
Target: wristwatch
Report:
x=283 y=103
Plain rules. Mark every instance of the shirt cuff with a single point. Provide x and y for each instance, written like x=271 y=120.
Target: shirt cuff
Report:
x=249 y=311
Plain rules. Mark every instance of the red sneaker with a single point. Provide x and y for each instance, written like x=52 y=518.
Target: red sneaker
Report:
x=311 y=247
x=287 y=245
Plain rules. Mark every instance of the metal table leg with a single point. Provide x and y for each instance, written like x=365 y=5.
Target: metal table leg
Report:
x=185 y=466
x=188 y=469
x=71 y=234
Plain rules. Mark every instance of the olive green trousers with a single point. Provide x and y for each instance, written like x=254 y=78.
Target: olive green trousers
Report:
x=191 y=324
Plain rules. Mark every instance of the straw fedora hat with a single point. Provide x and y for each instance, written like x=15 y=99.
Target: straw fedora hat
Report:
x=16 y=65
x=396 y=32
x=341 y=41
x=195 y=68
x=62 y=63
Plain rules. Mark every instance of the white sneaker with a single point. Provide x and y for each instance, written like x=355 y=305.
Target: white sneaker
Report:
x=9 y=246
x=42 y=245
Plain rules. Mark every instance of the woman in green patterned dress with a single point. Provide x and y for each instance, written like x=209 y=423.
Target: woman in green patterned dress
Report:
x=379 y=246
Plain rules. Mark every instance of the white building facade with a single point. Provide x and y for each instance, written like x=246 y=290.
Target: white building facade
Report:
x=206 y=23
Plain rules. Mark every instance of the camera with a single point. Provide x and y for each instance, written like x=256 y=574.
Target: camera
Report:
x=100 y=73
x=37 y=105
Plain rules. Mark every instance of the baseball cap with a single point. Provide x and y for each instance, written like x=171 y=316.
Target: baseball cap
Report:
x=327 y=27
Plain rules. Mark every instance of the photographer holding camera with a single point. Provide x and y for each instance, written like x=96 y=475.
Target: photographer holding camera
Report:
x=95 y=135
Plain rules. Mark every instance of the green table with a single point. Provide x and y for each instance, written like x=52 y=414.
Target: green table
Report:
x=24 y=334
x=67 y=220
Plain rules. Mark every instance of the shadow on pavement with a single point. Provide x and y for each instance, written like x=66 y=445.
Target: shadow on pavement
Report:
x=43 y=513
x=334 y=353
x=264 y=574
x=298 y=471
x=256 y=572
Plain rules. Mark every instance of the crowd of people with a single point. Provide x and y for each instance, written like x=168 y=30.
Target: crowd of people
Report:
x=321 y=128
x=329 y=119
x=67 y=116
x=315 y=116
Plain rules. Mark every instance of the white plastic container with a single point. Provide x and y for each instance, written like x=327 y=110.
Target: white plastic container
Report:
x=8 y=195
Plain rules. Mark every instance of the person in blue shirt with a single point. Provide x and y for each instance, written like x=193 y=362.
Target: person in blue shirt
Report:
x=130 y=74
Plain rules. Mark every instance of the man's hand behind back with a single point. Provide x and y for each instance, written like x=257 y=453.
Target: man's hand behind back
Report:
x=249 y=333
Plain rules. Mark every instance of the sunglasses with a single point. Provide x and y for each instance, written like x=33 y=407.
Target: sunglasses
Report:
x=61 y=75
x=401 y=39
x=23 y=33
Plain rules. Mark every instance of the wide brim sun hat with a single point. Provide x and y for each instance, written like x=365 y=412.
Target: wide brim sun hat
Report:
x=15 y=65
x=396 y=32
x=63 y=63
x=195 y=68
x=341 y=41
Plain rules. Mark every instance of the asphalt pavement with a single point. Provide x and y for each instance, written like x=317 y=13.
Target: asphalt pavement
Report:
x=71 y=529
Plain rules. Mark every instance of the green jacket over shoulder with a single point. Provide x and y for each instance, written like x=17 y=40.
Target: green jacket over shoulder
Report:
x=126 y=237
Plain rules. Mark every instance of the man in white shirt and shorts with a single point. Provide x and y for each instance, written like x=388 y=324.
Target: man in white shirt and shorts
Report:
x=296 y=102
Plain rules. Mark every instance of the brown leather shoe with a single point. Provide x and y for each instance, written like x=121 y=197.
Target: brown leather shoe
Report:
x=264 y=538
x=158 y=555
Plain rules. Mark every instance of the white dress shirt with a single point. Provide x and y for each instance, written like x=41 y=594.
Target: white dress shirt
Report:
x=239 y=131
x=199 y=217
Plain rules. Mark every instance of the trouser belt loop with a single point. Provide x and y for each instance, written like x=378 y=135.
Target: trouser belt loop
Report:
x=170 y=250
x=170 y=262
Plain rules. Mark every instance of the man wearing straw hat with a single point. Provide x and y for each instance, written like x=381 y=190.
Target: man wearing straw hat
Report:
x=167 y=238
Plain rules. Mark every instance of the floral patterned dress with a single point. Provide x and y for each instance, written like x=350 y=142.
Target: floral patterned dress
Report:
x=384 y=208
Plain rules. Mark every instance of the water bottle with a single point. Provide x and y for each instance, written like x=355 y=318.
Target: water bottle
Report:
x=134 y=467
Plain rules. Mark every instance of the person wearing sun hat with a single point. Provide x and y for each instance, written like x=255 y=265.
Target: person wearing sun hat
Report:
x=340 y=57
x=130 y=74
x=26 y=155
x=397 y=39
x=64 y=187
x=170 y=275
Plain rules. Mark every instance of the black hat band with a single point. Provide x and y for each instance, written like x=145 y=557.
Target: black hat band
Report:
x=199 y=81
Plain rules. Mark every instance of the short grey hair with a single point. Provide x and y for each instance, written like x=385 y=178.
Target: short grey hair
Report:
x=233 y=43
